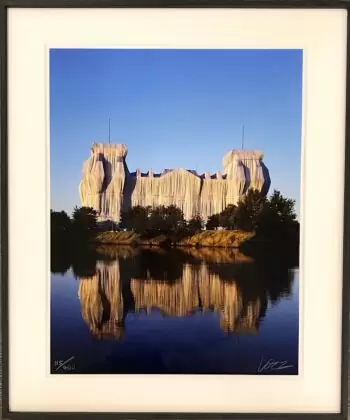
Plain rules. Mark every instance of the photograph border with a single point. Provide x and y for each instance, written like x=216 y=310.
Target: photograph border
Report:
x=270 y=4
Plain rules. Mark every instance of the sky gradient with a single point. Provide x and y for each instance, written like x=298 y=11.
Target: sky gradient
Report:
x=174 y=108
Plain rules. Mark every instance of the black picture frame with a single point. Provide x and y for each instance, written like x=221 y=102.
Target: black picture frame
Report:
x=262 y=4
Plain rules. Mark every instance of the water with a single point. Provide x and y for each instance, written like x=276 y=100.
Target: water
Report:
x=195 y=311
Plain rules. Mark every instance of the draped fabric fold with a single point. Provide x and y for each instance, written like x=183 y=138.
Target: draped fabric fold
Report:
x=109 y=187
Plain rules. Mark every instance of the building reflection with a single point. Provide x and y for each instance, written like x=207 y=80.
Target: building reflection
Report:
x=227 y=283
x=101 y=301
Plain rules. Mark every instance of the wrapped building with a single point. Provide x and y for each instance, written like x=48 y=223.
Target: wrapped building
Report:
x=110 y=188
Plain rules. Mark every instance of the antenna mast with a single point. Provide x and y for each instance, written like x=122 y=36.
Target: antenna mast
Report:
x=242 y=136
x=109 y=130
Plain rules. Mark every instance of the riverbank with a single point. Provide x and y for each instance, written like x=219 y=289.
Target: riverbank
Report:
x=207 y=238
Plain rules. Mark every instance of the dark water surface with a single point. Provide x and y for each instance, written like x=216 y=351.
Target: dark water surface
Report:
x=211 y=311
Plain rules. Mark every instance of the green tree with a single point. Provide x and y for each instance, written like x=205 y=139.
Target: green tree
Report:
x=282 y=206
x=277 y=221
x=213 y=222
x=244 y=220
x=84 y=220
x=136 y=219
x=195 y=224
x=175 y=221
x=61 y=225
x=249 y=209
x=254 y=202
x=227 y=218
x=167 y=219
x=157 y=219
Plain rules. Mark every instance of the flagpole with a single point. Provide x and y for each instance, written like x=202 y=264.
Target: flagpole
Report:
x=242 y=136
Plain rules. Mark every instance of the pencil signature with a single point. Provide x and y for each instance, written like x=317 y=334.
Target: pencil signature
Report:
x=64 y=364
x=272 y=364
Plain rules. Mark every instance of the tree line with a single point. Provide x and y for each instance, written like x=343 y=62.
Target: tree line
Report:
x=81 y=226
x=271 y=218
x=254 y=213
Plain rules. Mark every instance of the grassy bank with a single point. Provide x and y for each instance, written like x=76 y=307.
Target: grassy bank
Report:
x=208 y=238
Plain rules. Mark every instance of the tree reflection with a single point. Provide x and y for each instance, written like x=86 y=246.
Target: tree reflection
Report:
x=114 y=281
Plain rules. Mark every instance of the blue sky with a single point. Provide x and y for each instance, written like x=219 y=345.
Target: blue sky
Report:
x=174 y=108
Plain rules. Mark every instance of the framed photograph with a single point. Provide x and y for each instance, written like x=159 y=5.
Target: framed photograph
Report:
x=175 y=189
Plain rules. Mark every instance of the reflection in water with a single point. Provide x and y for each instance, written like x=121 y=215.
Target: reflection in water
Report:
x=101 y=301
x=179 y=283
x=197 y=289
